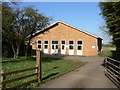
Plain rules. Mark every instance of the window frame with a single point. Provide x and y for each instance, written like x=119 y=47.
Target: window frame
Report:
x=45 y=40
x=63 y=40
x=53 y=40
x=63 y=44
x=79 y=44
x=39 y=44
x=78 y=41
x=53 y=44
x=71 y=44
x=71 y=40
x=46 y=44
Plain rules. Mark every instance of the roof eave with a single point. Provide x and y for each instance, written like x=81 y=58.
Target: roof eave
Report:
x=67 y=25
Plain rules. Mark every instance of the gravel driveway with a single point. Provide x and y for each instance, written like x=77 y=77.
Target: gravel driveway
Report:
x=91 y=75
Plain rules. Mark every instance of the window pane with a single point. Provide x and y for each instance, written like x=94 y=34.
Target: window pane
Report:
x=70 y=42
x=46 y=46
x=52 y=46
x=39 y=46
x=71 y=47
x=63 y=47
x=79 y=42
x=56 y=46
x=79 y=47
x=63 y=42
x=45 y=42
x=54 y=42
x=39 y=42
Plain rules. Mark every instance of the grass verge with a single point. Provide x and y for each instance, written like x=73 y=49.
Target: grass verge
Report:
x=111 y=53
x=51 y=68
x=106 y=53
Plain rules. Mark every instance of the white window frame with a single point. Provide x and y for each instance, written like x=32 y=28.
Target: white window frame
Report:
x=53 y=40
x=63 y=40
x=63 y=44
x=46 y=44
x=53 y=44
x=39 y=44
x=79 y=44
x=71 y=44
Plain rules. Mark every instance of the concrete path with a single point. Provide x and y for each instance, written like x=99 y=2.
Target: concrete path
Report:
x=91 y=75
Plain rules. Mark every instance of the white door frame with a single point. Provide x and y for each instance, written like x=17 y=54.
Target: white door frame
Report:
x=54 y=51
x=63 y=51
x=79 y=52
x=71 y=52
x=46 y=50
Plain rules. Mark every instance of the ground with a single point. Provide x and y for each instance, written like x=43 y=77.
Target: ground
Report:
x=51 y=68
x=91 y=75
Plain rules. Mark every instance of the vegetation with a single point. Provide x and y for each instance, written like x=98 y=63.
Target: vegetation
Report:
x=108 y=45
x=106 y=53
x=115 y=55
x=111 y=53
x=51 y=68
x=111 y=14
x=18 y=26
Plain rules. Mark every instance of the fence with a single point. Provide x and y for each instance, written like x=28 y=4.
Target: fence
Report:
x=37 y=74
x=112 y=70
x=4 y=74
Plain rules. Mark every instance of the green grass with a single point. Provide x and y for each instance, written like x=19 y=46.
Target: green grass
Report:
x=111 y=53
x=51 y=68
x=106 y=53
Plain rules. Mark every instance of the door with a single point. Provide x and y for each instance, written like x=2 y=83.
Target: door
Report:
x=71 y=47
x=54 y=47
x=63 y=47
x=46 y=46
x=79 y=47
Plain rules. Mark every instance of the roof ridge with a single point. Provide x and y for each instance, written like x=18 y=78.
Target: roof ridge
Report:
x=79 y=29
x=67 y=25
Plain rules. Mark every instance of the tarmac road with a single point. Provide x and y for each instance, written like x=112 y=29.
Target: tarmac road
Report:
x=91 y=75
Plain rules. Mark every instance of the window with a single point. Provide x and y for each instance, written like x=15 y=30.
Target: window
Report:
x=79 y=47
x=71 y=42
x=52 y=46
x=39 y=42
x=63 y=44
x=71 y=47
x=56 y=46
x=46 y=46
x=63 y=47
x=46 y=42
x=39 y=45
x=54 y=42
x=63 y=41
x=79 y=42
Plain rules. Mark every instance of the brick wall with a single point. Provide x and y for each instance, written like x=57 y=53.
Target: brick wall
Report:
x=64 y=32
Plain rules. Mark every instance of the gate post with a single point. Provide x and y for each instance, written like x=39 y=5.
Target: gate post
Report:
x=3 y=78
x=39 y=65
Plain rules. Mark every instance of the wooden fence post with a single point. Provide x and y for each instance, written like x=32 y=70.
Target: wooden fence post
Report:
x=3 y=79
x=105 y=65
x=39 y=65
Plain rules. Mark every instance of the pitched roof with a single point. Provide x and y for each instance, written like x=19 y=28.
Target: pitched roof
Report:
x=39 y=31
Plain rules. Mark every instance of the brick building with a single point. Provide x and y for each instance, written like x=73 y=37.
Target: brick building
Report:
x=62 y=38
